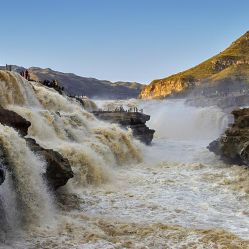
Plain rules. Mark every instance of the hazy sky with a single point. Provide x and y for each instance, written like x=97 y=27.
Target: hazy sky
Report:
x=133 y=40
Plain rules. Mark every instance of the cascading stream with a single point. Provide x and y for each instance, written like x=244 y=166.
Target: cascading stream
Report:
x=60 y=123
x=92 y=147
x=24 y=179
x=175 y=120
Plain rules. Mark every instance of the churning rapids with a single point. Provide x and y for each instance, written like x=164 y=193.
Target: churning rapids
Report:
x=173 y=194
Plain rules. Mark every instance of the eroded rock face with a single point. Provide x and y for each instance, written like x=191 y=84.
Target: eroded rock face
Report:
x=14 y=120
x=58 y=170
x=223 y=62
x=162 y=88
x=134 y=120
x=233 y=146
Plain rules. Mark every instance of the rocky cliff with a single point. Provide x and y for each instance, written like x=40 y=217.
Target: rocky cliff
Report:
x=134 y=120
x=233 y=146
x=14 y=120
x=231 y=65
x=10 y=118
x=58 y=170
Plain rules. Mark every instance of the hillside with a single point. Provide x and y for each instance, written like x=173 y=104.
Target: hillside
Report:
x=231 y=65
x=91 y=87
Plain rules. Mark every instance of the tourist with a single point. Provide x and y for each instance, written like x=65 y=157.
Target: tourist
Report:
x=26 y=74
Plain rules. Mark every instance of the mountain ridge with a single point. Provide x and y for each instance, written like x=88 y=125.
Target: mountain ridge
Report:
x=230 y=64
x=91 y=87
x=88 y=86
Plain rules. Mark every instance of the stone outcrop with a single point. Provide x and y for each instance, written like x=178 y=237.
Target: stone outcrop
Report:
x=134 y=120
x=233 y=145
x=58 y=168
x=223 y=62
x=17 y=122
x=14 y=120
x=161 y=89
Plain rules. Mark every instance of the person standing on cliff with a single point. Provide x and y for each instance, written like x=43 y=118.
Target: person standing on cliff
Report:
x=26 y=74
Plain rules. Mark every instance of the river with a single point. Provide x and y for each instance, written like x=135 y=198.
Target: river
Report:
x=172 y=194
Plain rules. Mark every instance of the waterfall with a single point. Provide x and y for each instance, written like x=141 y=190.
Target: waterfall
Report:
x=92 y=147
x=24 y=196
x=60 y=123
x=15 y=90
x=175 y=120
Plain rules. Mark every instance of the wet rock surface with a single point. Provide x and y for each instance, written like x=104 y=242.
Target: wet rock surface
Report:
x=233 y=145
x=14 y=120
x=58 y=170
x=134 y=120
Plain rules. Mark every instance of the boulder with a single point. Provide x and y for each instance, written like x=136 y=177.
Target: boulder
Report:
x=134 y=120
x=14 y=120
x=17 y=122
x=233 y=145
x=58 y=170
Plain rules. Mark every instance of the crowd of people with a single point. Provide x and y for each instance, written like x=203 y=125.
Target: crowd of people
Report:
x=25 y=74
x=53 y=84
x=121 y=109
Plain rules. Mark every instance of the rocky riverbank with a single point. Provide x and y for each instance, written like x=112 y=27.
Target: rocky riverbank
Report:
x=233 y=145
x=134 y=120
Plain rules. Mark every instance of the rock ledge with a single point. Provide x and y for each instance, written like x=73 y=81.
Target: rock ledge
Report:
x=233 y=145
x=134 y=120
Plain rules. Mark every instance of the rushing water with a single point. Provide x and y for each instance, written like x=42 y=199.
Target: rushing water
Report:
x=173 y=194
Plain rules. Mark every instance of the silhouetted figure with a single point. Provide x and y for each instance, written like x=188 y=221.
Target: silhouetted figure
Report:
x=8 y=67
x=26 y=74
x=46 y=83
